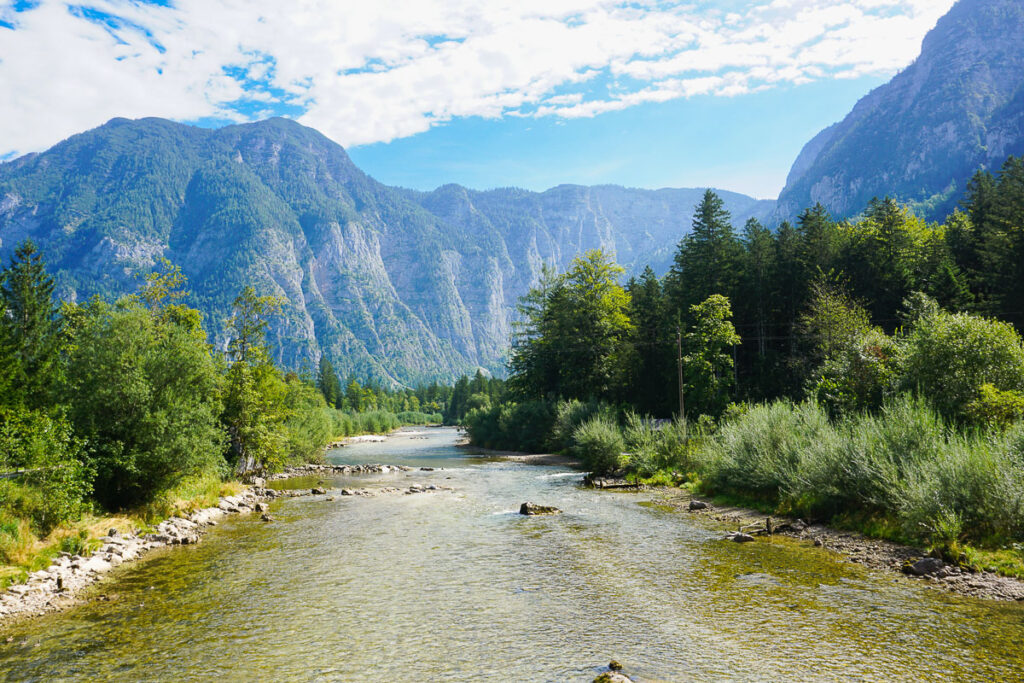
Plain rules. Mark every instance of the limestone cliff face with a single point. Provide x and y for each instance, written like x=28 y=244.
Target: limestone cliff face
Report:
x=393 y=284
x=920 y=137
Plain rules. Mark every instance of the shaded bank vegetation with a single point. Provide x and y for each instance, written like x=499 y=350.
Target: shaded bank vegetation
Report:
x=866 y=372
x=124 y=405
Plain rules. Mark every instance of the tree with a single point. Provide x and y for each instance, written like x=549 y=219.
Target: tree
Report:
x=709 y=362
x=253 y=413
x=652 y=348
x=572 y=344
x=30 y=330
x=948 y=357
x=248 y=325
x=706 y=259
x=328 y=383
x=144 y=393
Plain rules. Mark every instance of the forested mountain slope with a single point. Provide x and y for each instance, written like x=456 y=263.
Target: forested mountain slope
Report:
x=920 y=137
x=392 y=284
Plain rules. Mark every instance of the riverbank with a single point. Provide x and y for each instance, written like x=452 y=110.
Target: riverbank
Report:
x=59 y=586
x=912 y=563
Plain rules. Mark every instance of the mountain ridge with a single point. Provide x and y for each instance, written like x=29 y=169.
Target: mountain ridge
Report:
x=394 y=284
x=959 y=106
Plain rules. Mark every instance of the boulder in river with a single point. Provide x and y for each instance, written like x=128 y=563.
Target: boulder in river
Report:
x=740 y=537
x=318 y=491
x=613 y=677
x=532 y=509
x=698 y=505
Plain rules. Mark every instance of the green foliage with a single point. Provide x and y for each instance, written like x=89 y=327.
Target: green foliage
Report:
x=572 y=341
x=570 y=415
x=523 y=426
x=600 y=445
x=30 y=330
x=653 y=449
x=947 y=356
x=144 y=393
x=996 y=409
x=709 y=363
x=54 y=484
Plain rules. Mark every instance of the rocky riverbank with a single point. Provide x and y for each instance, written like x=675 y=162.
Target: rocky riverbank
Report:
x=748 y=525
x=58 y=586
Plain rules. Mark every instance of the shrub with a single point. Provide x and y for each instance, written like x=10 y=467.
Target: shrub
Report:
x=947 y=356
x=599 y=444
x=657 y=449
x=996 y=409
x=761 y=453
x=569 y=415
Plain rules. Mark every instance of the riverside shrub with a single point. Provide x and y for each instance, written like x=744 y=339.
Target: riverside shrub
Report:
x=947 y=356
x=600 y=445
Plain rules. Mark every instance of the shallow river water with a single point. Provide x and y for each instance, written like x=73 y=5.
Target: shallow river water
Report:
x=455 y=586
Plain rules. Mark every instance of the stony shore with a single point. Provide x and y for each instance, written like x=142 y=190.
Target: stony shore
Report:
x=58 y=586
x=857 y=548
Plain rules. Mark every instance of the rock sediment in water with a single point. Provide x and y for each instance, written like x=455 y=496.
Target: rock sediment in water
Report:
x=532 y=509
x=318 y=470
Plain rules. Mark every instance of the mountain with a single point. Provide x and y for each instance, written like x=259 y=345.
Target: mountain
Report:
x=921 y=136
x=392 y=284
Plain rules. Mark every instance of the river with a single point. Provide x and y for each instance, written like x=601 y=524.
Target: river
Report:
x=456 y=586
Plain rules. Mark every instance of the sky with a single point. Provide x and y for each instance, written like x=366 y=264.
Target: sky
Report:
x=486 y=93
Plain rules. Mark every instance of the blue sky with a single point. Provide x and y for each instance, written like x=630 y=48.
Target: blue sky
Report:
x=645 y=93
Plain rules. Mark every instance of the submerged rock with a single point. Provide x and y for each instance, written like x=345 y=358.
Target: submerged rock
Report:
x=532 y=509
x=613 y=677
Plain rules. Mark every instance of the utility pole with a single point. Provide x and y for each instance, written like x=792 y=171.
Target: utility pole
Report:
x=679 y=364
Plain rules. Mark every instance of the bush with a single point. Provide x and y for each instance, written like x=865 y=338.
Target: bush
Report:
x=522 y=426
x=975 y=482
x=665 y=449
x=996 y=409
x=56 y=484
x=761 y=453
x=569 y=415
x=600 y=445
x=947 y=356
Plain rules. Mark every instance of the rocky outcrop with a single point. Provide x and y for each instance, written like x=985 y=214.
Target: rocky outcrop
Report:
x=921 y=136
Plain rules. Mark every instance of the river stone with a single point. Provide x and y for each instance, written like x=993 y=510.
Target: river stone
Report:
x=740 y=537
x=613 y=677
x=925 y=566
x=698 y=505
x=318 y=491
x=532 y=509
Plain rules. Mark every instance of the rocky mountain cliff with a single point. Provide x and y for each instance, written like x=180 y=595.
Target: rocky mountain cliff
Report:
x=921 y=136
x=397 y=285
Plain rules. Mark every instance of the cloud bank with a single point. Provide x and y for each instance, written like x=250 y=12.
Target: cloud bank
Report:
x=364 y=72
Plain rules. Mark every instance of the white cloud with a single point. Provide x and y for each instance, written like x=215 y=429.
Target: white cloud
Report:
x=364 y=72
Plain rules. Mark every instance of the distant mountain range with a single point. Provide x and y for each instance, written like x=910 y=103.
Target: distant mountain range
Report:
x=393 y=284
x=407 y=286
x=921 y=136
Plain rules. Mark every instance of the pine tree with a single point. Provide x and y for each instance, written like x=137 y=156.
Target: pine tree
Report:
x=328 y=383
x=30 y=329
x=706 y=260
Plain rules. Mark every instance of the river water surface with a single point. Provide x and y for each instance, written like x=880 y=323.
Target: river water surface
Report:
x=455 y=586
